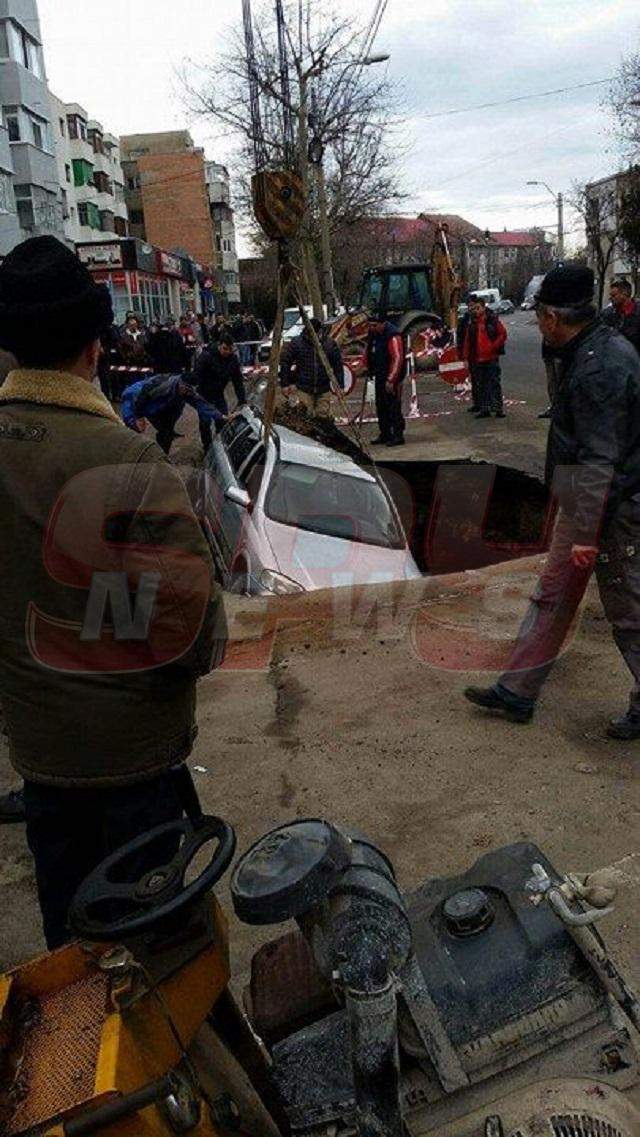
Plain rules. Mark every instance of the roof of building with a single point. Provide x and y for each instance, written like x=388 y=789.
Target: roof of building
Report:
x=156 y=142
x=517 y=238
x=411 y=229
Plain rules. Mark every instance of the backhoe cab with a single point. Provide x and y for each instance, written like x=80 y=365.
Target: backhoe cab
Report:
x=480 y=1005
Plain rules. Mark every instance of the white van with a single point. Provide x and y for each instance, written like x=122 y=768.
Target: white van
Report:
x=490 y=295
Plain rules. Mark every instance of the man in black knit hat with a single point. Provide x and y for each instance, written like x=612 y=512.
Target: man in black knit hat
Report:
x=593 y=470
x=111 y=610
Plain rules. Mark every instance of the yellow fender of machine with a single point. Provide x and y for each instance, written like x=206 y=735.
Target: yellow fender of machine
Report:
x=278 y=202
x=137 y=1043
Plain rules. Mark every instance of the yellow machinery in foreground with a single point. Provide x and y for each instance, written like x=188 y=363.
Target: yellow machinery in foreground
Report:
x=99 y=1037
x=480 y=1005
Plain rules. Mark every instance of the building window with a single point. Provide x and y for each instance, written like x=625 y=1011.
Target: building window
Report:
x=77 y=127
x=11 y=117
x=4 y=42
x=24 y=205
x=120 y=226
x=136 y=216
x=82 y=172
x=102 y=182
x=62 y=127
x=133 y=183
x=25 y=50
x=83 y=215
x=95 y=138
x=67 y=172
x=65 y=205
x=38 y=134
x=93 y=216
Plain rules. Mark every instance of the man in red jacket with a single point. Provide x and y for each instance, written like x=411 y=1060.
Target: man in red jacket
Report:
x=481 y=339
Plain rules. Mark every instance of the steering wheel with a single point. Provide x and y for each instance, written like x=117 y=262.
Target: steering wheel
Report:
x=109 y=905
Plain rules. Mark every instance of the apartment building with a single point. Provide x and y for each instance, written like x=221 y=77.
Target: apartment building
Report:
x=224 y=229
x=30 y=201
x=167 y=195
x=90 y=175
x=605 y=214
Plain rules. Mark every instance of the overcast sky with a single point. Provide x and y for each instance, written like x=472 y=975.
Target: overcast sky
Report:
x=121 y=62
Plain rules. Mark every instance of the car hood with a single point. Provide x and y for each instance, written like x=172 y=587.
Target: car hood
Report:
x=316 y=561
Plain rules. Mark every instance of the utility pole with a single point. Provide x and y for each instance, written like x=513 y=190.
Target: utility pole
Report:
x=316 y=154
x=560 y=227
x=316 y=157
x=559 y=200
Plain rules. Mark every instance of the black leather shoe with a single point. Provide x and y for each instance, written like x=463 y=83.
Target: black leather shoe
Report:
x=545 y=414
x=12 y=808
x=627 y=728
x=396 y=442
x=472 y=410
x=484 y=414
x=501 y=414
x=489 y=699
x=379 y=441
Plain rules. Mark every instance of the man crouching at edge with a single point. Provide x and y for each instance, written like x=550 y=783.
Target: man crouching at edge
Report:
x=110 y=608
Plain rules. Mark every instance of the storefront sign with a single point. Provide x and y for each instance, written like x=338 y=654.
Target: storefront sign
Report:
x=168 y=264
x=100 y=255
x=145 y=257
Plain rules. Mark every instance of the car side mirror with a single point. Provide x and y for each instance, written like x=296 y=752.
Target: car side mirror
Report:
x=238 y=497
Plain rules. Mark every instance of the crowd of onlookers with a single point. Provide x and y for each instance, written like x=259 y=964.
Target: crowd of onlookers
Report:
x=170 y=346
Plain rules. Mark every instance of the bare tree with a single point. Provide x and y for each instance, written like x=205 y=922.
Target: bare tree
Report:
x=337 y=104
x=598 y=208
x=610 y=211
x=624 y=101
x=630 y=224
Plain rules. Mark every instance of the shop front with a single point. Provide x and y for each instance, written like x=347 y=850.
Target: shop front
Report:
x=141 y=278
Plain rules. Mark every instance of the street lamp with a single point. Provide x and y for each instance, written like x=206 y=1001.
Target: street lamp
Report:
x=560 y=206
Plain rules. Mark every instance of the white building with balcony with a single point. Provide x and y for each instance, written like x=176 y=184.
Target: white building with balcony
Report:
x=90 y=175
x=219 y=191
x=29 y=193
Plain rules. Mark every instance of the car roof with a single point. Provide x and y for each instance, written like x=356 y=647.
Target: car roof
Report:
x=306 y=451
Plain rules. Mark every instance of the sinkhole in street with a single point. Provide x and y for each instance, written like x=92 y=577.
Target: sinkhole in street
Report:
x=458 y=514
x=465 y=515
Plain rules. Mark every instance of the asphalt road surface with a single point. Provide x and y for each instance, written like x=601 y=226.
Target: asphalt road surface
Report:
x=445 y=430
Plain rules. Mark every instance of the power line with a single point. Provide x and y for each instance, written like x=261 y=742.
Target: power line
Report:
x=516 y=99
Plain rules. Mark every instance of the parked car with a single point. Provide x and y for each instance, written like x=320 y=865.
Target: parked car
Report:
x=291 y=515
x=293 y=326
x=505 y=307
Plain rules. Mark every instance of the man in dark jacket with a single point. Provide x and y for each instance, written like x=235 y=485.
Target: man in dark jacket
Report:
x=624 y=312
x=593 y=468
x=386 y=366
x=166 y=349
x=481 y=337
x=216 y=367
x=302 y=370
x=114 y=609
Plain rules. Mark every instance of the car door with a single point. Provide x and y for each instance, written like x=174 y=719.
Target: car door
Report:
x=235 y=517
x=221 y=475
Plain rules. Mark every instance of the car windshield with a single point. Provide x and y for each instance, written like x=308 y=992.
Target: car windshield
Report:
x=291 y=317
x=336 y=505
x=371 y=295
